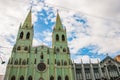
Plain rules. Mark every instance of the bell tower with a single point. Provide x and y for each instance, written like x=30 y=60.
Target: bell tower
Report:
x=19 y=59
x=25 y=34
x=61 y=51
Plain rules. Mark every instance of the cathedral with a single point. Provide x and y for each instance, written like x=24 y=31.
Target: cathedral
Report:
x=53 y=63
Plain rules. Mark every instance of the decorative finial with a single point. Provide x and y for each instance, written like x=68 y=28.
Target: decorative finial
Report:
x=31 y=5
x=57 y=10
x=90 y=61
x=98 y=60
x=107 y=54
x=81 y=61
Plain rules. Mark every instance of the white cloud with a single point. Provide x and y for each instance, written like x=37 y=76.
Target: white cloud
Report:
x=102 y=16
x=12 y=12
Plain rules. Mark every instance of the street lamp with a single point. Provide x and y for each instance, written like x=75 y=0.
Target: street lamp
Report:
x=3 y=62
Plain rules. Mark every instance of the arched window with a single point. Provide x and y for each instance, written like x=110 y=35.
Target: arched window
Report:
x=51 y=78
x=65 y=63
x=55 y=61
x=24 y=62
x=59 y=78
x=35 y=50
x=58 y=63
x=18 y=48
x=41 y=78
x=28 y=35
x=11 y=60
x=16 y=62
x=35 y=61
x=41 y=56
x=57 y=50
x=21 y=35
x=27 y=60
x=57 y=37
x=13 y=78
x=64 y=50
x=63 y=38
x=19 y=61
x=47 y=61
x=21 y=78
x=26 y=48
x=66 y=78
x=30 y=78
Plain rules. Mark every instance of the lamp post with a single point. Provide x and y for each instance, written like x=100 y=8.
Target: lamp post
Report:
x=3 y=62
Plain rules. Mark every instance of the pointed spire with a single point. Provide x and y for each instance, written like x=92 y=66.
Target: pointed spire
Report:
x=28 y=20
x=107 y=54
x=90 y=61
x=98 y=61
x=81 y=61
x=58 y=24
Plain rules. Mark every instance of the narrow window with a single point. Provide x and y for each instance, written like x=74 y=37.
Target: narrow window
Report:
x=30 y=78
x=57 y=37
x=41 y=56
x=35 y=50
x=51 y=78
x=58 y=63
x=65 y=63
x=21 y=35
x=26 y=48
x=13 y=78
x=19 y=61
x=16 y=62
x=35 y=61
x=24 y=62
x=18 y=48
x=11 y=60
x=66 y=78
x=63 y=38
x=21 y=78
x=59 y=77
x=48 y=61
x=55 y=61
x=27 y=60
x=64 y=50
x=57 y=50
x=47 y=51
x=28 y=35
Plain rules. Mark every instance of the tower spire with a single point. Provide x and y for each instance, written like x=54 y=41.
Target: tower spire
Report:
x=28 y=21
x=58 y=24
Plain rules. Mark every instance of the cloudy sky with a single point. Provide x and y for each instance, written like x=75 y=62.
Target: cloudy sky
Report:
x=93 y=26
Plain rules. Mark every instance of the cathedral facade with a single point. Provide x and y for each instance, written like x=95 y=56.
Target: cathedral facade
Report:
x=46 y=63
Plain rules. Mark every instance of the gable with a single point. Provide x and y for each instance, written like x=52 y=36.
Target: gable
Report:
x=109 y=61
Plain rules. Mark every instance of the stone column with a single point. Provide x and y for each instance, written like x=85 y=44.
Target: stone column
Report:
x=100 y=71
x=83 y=70
x=107 y=72
x=71 y=71
x=117 y=69
x=74 y=68
x=91 y=71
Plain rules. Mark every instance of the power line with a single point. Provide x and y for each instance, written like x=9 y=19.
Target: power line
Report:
x=84 y=13
x=5 y=47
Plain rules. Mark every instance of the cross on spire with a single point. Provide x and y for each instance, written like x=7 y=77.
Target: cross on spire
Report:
x=31 y=5
x=57 y=10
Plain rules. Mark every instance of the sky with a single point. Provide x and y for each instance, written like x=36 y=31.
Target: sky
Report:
x=93 y=26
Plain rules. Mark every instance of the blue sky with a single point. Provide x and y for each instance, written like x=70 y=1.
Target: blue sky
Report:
x=93 y=28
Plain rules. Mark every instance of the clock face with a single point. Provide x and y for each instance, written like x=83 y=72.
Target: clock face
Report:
x=41 y=66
